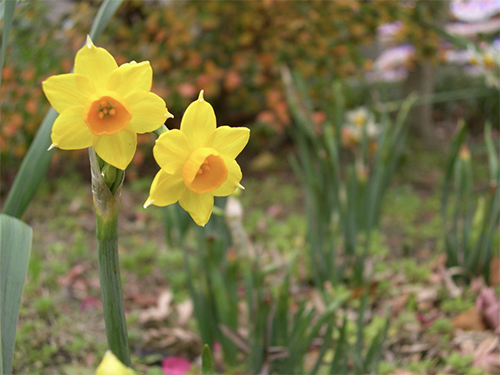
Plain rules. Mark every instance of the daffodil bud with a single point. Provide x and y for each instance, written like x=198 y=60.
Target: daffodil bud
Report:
x=107 y=194
x=110 y=365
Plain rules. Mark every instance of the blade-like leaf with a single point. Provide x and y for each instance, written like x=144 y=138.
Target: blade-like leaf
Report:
x=492 y=154
x=207 y=363
x=37 y=160
x=7 y=16
x=458 y=139
x=15 y=247
x=106 y=11
x=33 y=169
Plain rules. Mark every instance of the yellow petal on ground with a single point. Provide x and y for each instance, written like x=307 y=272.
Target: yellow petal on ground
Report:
x=166 y=189
x=67 y=90
x=172 y=150
x=69 y=131
x=229 y=141
x=199 y=206
x=198 y=122
x=132 y=80
x=95 y=63
x=149 y=113
x=117 y=149
x=233 y=179
x=111 y=365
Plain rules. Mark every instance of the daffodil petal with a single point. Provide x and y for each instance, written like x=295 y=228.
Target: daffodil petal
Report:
x=199 y=206
x=166 y=189
x=198 y=122
x=229 y=141
x=117 y=149
x=67 y=90
x=132 y=80
x=149 y=113
x=172 y=150
x=95 y=63
x=69 y=131
x=233 y=178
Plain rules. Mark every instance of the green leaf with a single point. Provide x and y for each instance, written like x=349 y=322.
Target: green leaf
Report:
x=15 y=247
x=32 y=170
x=458 y=139
x=207 y=363
x=105 y=13
x=37 y=160
x=492 y=154
x=7 y=14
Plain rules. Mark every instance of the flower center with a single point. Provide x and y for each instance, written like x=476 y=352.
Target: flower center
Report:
x=107 y=115
x=359 y=119
x=204 y=170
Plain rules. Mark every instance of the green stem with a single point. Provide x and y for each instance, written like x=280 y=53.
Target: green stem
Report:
x=162 y=129
x=111 y=288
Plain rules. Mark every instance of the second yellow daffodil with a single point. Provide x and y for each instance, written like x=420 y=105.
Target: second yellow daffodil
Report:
x=197 y=162
x=104 y=105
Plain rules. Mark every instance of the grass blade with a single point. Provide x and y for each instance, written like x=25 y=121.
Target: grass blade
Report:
x=207 y=363
x=37 y=160
x=8 y=15
x=106 y=11
x=492 y=155
x=15 y=248
x=33 y=168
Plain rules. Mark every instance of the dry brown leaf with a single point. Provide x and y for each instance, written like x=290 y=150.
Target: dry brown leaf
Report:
x=161 y=311
x=483 y=346
x=485 y=356
x=495 y=271
x=172 y=340
x=489 y=308
x=469 y=320
x=402 y=372
x=184 y=312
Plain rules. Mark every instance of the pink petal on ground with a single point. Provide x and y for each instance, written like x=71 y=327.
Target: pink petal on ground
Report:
x=175 y=366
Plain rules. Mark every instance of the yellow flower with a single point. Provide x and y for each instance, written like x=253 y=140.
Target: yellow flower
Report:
x=197 y=162
x=110 y=365
x=104 y=106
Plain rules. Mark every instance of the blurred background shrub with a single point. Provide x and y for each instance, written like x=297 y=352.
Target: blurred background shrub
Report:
x=234 y=51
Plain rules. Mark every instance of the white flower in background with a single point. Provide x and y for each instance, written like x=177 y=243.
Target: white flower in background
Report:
x=487 y=62
x=474 y=10
x=358 y=121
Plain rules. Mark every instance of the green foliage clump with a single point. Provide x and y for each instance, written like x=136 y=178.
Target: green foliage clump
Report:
x=457 y=305
x=441 y=326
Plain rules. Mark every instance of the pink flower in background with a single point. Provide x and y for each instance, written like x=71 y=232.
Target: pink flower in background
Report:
x=175 y=366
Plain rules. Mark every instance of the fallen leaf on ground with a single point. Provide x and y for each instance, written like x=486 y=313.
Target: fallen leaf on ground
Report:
x=494 y=271
x=489 y=308
x=161 y=311
x=469 y=320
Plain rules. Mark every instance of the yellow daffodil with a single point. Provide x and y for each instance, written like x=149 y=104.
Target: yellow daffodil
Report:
x=197 y=162
x=110 y=365
x=104 y=105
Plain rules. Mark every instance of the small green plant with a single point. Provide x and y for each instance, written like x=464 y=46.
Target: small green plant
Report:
x=459 y=363
x=470 y=222
x=233 y=291
x=345 y=163
x=441 y=326
x=457 y=305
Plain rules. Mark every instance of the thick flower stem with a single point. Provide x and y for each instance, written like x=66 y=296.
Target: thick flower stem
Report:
x=111 y=288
